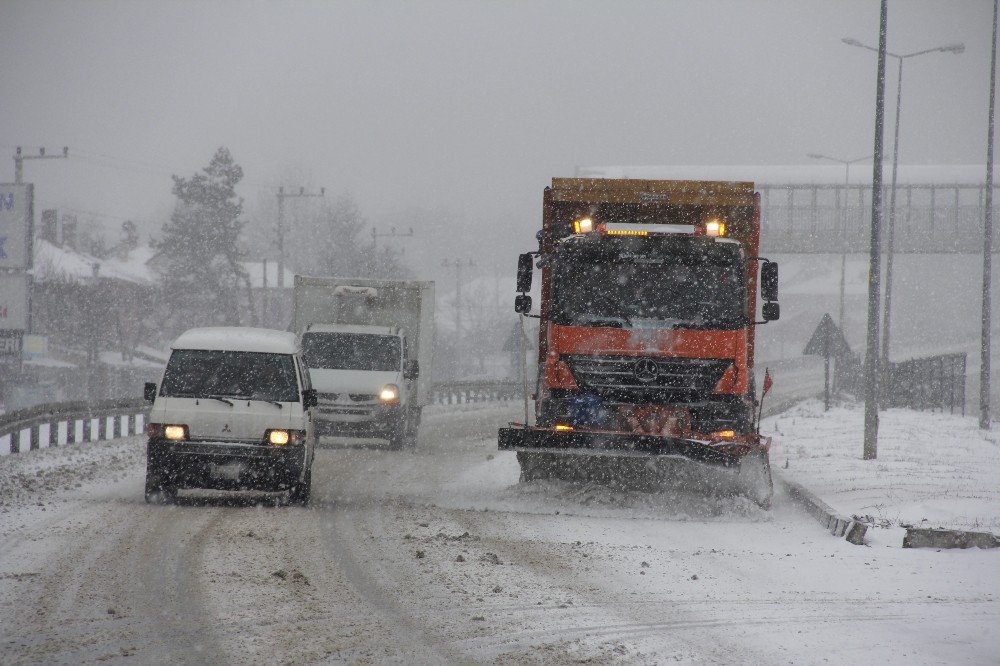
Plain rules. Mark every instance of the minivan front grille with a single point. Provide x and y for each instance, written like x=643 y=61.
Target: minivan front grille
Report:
x=633 y=379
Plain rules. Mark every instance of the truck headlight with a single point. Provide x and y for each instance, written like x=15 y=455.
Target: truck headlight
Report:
x=389 y=393
x=175 y=432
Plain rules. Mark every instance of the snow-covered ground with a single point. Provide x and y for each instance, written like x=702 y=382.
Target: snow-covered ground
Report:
x=932 y=469
x=439 y=555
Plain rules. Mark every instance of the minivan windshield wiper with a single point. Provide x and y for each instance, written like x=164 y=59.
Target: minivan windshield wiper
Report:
x=220 y=399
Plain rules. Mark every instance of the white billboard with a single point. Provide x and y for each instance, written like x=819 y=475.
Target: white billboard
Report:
x=13 y=301
x=16 y=219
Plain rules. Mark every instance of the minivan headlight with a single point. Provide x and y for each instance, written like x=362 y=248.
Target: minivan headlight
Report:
x=278 y=437
x=175 y=432
x=389 y=393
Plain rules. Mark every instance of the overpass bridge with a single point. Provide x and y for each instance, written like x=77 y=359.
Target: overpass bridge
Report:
x=815 y=209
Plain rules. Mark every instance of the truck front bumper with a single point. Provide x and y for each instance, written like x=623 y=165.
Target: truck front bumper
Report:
x=601 y=443
x=224 y=465
x=380 y=421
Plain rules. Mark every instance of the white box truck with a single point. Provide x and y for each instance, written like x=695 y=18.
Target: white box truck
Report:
x=368 y=345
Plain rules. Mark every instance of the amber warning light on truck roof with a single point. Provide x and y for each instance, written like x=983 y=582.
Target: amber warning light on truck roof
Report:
x=715 y=228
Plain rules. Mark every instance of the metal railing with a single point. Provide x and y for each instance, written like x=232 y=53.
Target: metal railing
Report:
x=68 y=423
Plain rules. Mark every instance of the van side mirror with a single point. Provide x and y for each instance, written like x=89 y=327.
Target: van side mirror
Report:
x=411 y=369
x=771 y=311
x=524 y=269
x=149 y=391
x=769 y=281
x=310 y=398
x=522 y=304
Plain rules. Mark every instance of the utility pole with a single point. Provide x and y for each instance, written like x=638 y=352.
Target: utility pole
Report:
x=458 y=265
x=282 y=195
x=392 y=234
x=19 y=159
x=872 y=365
x=984 y=370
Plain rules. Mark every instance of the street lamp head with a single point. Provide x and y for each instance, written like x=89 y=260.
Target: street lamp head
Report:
x=850 y=41
x=816 y=156
x=953 y=48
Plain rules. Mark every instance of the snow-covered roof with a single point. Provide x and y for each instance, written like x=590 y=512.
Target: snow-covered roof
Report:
x=53 y=262
x=256 y=271
x=236 y=338
x=352 y=328
x=801 y=174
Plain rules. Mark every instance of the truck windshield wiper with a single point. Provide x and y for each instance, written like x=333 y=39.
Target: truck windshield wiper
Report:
x=220 y=399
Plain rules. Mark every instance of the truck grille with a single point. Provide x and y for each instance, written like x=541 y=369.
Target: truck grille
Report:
x=633 y=379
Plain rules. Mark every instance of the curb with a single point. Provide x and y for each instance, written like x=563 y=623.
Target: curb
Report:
x=840 y=526
x=918 y=537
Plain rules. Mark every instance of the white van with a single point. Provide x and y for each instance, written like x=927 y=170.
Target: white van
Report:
x=233 y=411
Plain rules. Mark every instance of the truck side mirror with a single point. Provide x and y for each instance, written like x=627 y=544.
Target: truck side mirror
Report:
x=522 y=304
x=524 y=268
x=149 y=391
x=769 y=281
x=310 y=398
x=771 y=311
x=411 y=369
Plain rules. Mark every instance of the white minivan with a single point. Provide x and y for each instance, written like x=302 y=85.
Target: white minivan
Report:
x=233 y=411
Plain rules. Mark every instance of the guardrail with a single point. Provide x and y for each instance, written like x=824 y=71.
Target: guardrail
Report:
x=458 y=392
x=67 y=423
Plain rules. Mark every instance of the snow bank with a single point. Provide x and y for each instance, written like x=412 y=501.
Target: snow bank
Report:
x=932 y=470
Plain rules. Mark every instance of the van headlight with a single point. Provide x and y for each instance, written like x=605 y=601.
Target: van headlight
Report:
x=389 y=393
x=175 y=432
x=278 y=437
x=284 y=437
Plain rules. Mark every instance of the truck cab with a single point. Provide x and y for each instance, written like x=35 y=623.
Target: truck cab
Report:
x=363 y=377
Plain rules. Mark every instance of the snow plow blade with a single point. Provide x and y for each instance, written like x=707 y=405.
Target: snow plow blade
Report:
x=581 y=442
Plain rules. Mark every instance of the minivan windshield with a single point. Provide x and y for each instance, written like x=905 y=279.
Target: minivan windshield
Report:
x=200 y=373
x=351 y=351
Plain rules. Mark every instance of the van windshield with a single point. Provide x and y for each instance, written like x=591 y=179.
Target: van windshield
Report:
x=351 y=351
x=199 y=373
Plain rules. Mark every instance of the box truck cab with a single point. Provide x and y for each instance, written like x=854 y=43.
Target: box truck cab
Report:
x=363 y=378
x=367 y=344
x=233 y=411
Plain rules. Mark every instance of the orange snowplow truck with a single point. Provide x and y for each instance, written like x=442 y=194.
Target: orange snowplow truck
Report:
x=646 y=344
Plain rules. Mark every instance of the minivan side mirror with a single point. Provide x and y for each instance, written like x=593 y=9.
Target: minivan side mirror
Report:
x=309 y=398
x=149 y=391
x=411 y=369
x=522 y=304
x=524 y=269
x=771 y=311
x=769 y=281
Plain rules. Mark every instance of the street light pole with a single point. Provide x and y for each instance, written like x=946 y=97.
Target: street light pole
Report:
x=282 y=195
x=870 y=451
x=890 y=240
x=843 y=254
x=984 y=370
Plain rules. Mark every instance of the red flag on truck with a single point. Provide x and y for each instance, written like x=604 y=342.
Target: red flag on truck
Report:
x=768 y=382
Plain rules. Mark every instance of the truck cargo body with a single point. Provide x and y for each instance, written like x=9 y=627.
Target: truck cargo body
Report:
x=368 y=345
x=648 y=307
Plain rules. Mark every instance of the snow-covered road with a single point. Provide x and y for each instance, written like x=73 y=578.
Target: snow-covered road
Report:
x=439 y=556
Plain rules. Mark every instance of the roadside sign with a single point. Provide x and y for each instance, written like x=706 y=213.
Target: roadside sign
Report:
x=826 y=340
x=13 y=301
x=16 y=222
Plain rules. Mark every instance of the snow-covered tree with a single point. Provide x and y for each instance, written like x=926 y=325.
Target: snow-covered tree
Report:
x=198 y=252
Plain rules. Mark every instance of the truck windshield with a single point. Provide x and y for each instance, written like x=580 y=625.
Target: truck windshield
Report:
x=199 y=373
x=671 y=291
x=351 y=351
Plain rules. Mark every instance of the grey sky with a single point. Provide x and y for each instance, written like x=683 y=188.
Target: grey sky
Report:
x=468 y=106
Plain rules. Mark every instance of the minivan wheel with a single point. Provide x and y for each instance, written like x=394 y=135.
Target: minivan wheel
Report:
x=157 y=491
x=301 y=491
